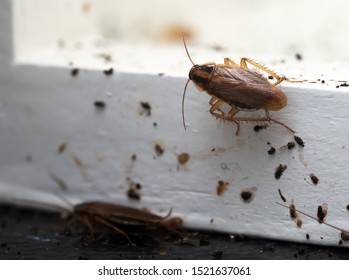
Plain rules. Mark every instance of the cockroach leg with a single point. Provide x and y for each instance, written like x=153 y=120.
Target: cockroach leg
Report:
x=212 y=101
x=278 y=78
x=86 y=220
x=119 y=231
x=230 y=63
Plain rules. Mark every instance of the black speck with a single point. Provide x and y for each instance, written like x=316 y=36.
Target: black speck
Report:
x=270 y=77
x=344 y=85
x=271 y=151
x=322 y=81
x=108 y=72
x=298 y=56
x=347 y=207
x=307 y=236
x=155 y=124
x=134 y=157
x=74 y=72
x=100 y=104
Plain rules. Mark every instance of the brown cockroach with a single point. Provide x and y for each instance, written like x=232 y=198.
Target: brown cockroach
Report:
x=238 y=86
x=116 y=216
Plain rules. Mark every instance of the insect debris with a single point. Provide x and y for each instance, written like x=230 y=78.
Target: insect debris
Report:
x=343 y=232
x=119 y=218
x=238 y=86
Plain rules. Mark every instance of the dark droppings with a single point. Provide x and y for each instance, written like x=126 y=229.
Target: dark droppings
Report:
x=314 y=178
x=299 y=141
x=279 y=171
x=159 y=149
x=221 y=187
x=281 y=195
x=259 y=127
x=145 y=108
x=74 y=72
x=298 y=56
x=321 y=214
x=100 y=104
x=344 y=235
x=290 y=145
x=307 y=236
x=271 y=151
x=108 y=72
x=347 y=207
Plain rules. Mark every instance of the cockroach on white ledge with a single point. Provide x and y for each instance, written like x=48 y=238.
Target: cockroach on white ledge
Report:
x=243 y=89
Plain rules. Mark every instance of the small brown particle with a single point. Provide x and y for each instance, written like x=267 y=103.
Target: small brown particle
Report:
x=145 y=109
x=183 y=158
x=159 y=149
x=314 y=178
x=133 y=194
x=108 y=72
x=344 y=235
x=299 y=141
x=58 y=181
x=299 y=223
x=221 y=187
x=271 y=151
x=62 y=147
x=293 y=212
x=74 y=72
x=279 y=171
x=282 y=197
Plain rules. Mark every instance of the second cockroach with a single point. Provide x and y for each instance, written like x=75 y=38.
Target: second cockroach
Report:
x=243 y=89
x=120 y=218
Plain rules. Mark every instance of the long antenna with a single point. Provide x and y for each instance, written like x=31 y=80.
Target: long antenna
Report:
x=186 y=49
x=185 y=89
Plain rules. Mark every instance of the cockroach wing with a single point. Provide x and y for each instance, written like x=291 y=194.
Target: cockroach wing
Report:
x=245 y=89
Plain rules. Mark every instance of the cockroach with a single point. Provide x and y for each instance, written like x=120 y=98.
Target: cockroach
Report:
x=119 y=217
x=240 y=87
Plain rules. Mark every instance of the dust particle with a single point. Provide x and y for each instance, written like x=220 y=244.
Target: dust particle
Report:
x=298 y=56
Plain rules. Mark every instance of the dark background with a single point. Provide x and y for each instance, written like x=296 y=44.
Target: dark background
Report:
x=32 y=234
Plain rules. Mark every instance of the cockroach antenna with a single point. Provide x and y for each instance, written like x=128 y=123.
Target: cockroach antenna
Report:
x=186 y=85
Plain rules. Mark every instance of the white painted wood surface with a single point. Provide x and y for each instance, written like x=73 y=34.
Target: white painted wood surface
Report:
x=42 y=106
